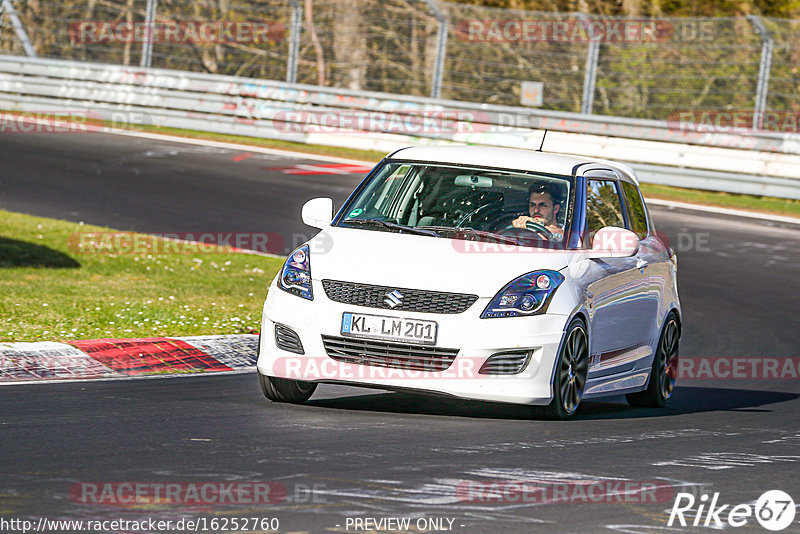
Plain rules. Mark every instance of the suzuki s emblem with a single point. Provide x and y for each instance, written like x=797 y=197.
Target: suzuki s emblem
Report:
x=393 y=298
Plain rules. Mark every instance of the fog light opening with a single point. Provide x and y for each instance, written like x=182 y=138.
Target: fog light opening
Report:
x=510 y=362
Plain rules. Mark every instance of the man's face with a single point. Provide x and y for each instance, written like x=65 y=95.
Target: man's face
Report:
x=541 y=206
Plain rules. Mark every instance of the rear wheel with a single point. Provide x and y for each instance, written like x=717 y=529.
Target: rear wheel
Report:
x=664 y=371
x=286 y=390
x=571 y=370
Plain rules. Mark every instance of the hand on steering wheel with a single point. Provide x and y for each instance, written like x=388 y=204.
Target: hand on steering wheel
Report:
x=534 y=226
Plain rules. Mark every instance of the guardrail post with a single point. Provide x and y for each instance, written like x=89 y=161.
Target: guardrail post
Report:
x=441 y=48
x=19 y=29
x=147 y=45
x=762 y=89
x=295 y=27
x=590 y=72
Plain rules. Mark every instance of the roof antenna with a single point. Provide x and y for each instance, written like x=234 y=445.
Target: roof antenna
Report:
x=543 y=136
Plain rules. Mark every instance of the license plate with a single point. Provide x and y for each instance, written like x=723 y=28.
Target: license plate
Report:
x=389 y=328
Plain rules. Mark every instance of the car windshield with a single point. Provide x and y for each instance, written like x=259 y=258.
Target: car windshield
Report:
x=516 y=207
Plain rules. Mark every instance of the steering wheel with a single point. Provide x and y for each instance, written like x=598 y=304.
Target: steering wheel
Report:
x=468 y=215
x=533 y=227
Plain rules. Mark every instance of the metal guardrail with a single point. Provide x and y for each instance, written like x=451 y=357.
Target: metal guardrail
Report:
x=640 y=67
x=758 y=164
x=274 y=91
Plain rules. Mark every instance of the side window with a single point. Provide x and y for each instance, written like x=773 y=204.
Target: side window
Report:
x=636 y=212
x=603 y=206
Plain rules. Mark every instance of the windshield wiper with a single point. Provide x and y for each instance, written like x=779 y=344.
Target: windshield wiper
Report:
x=467 y=231
x=392 y=226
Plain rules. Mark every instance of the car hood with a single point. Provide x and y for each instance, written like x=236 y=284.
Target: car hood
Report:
x=423 y=262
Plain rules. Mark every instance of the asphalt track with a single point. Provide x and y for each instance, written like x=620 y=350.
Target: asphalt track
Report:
x=368 y=453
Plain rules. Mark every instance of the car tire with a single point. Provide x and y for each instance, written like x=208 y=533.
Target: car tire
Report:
x=286 y=390
x=569 y=378
x=664 y=370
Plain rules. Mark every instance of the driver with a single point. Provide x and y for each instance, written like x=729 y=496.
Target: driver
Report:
x=543 y=206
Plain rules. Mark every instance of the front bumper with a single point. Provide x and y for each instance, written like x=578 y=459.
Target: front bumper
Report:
x=476 y=340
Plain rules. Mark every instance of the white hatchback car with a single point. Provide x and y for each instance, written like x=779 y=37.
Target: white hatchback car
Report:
x=483 y=273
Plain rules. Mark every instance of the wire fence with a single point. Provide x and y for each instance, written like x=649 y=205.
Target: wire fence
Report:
x=639 y=68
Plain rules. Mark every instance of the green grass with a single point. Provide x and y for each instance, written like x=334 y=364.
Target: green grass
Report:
x=779 y=206
x=54 y=292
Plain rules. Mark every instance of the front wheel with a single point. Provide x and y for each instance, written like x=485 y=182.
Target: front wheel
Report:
x=286 y=390
x=570 y=375
x=664 y=370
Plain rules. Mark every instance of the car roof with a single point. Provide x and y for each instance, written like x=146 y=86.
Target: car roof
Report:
x=507 y=158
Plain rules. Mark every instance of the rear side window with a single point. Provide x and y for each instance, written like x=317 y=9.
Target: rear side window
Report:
x=603 y=207
x=636 y=213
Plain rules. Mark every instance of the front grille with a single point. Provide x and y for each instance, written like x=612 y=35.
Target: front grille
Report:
x=385 y=354
x=413 y=300
x=287 y=339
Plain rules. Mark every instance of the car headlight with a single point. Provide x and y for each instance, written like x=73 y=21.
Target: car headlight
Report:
x=295 y=275
x=527 y=295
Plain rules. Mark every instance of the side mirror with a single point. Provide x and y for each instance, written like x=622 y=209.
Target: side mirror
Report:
x=318 y=212
x=614 y=242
